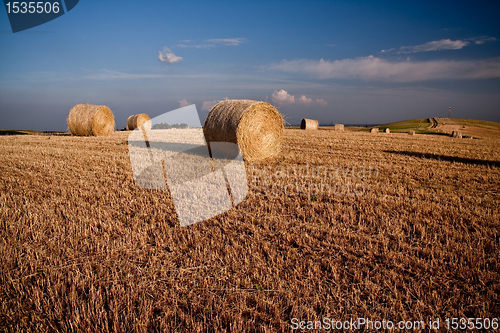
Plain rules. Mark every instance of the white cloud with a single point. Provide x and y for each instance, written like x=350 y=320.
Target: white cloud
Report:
x=197 y=46
x=321 y=102
x=304 y=100
x=437 y=45
x=282 y=97
x=208 y=105
x=168 y=56
x=183 y=103
x=209 y=43
x=443 y=44
x=373 y=68
x=107 y=74
x=227 y=41
x=484 y=39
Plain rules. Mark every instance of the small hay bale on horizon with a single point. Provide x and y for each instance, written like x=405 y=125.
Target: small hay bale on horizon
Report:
x=309 y=124
x=456 y=134
x=339 y=127
x=138 y=120
x=374 y=130
x=411 y=132
x=387 y=130
x=256 y=127
x=91 y=120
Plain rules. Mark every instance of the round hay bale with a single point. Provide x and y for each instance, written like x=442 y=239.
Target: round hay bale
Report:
x=309 y=124
x=339 y=127
x=88 y=120
x=138 y=120
x=387 y=130
x=456 y=134
x=411 y=132
x=257 y=127
x=374 y=130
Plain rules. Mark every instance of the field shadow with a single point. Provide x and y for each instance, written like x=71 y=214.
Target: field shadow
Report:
x=10 y=132
x=445 y=158
x=30 y=132
x=433 y=133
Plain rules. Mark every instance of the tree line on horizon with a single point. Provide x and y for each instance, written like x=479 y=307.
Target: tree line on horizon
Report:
x=168 y=126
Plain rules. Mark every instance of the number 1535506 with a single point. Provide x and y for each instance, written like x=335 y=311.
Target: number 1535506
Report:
x=32 y=7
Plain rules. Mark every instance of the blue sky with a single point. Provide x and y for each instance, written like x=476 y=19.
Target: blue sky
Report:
x=336 y=61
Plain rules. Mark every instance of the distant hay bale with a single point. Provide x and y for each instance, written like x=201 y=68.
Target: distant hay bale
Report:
x=387 y=130
x=411 y=132
x=309 y=124
x=456 y=134
x=339 y=127
x=88 y=120
x=374 y=130
x=138 y=120
x=257 y=127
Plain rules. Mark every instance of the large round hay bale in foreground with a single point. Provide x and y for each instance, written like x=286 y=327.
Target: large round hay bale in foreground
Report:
x=91 y=120
x=257 y=127
x=309 y=124
x=138 y=120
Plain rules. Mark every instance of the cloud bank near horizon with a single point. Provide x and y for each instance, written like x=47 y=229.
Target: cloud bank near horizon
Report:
x=377 y=69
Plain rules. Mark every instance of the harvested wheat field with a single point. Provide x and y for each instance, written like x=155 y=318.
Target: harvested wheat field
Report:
x=344 y=225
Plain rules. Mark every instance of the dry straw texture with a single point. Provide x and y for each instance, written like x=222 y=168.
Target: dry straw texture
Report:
x=138 y=120
x=257 y=127
x=339 y=127
x=309 y=124
x=87 y=254
x=374 y=130
x=91 y=120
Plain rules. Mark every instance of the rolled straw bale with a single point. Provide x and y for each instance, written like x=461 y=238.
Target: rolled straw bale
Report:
x=257 y=127
x=138 y=120
x=309 y=124
x=456 y=134
x=411 y=132
x=339 y=127
x=374 y=130
x=88 y=120
x=387 y=130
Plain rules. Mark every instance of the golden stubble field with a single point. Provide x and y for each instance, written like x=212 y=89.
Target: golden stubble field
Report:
x=343 y=226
